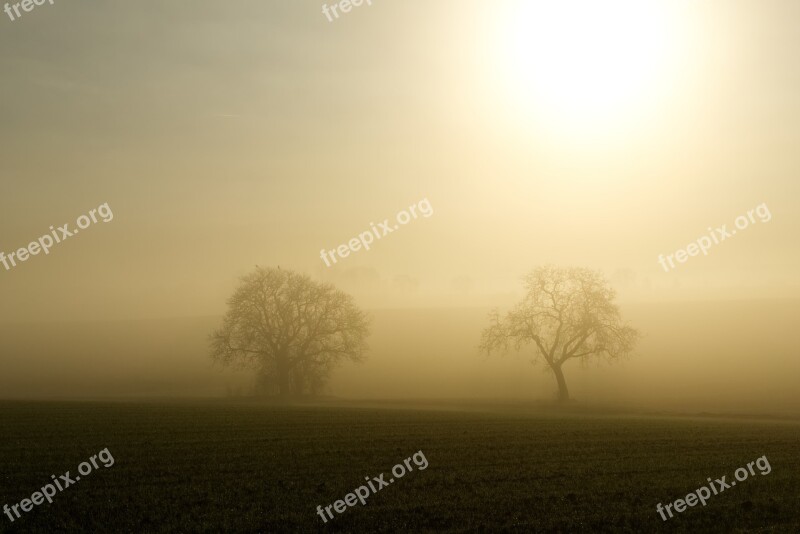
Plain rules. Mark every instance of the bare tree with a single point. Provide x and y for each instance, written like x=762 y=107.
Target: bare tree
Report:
x=567 y=313
x=291 y=329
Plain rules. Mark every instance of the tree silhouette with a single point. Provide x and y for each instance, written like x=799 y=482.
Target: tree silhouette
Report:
x=566 y=314
x=291 y=329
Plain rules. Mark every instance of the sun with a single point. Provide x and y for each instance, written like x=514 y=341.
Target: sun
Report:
x=582 y=64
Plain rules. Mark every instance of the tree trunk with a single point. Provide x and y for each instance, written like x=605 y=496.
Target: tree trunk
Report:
x=298 y=380
x=284 y=377
x=563 y=393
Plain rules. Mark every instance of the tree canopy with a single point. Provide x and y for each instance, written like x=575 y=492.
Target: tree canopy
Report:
x=292 y=330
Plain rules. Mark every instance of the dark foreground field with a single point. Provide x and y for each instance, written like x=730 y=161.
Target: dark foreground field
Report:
x=244 y=467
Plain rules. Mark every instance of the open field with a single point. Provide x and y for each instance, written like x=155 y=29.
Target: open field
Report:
x=245 y=467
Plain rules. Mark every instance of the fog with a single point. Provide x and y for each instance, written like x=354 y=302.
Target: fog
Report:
x=263 y=134
x=735 y=357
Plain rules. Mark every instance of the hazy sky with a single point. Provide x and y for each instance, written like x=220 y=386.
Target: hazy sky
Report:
x=229 y=134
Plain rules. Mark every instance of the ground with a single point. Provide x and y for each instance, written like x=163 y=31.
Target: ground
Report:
x=238 y=466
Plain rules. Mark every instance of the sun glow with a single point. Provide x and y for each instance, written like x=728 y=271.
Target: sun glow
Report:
x=585 y=65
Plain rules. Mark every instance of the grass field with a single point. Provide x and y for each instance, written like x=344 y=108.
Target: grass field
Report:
x=246 y=467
